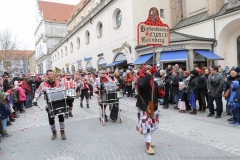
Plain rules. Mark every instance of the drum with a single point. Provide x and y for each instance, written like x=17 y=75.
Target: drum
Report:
x=108 y=93
x=71 y=93
x=159 y=82
x=56 y=101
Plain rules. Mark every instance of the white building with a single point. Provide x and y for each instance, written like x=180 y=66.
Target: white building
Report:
x=104 y=33
x=215 y=19
x=51 y=26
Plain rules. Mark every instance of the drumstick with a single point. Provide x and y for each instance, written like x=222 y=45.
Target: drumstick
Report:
x=40 y=108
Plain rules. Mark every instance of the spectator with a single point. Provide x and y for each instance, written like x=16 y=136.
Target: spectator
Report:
x=175 y=87
x=193 y=87
x=215 y=88
x=28 y=93
x=5 y=112
x=167 y=79
x=5 y=83
x=128 y=82
x=202 y=91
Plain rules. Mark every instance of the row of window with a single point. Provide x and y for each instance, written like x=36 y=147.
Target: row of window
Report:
x=117 y=23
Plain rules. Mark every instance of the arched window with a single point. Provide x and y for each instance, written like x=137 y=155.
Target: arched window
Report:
x=66 y=50
x=71 y=47
x=87 y=37
x=61 y=53
x=238 y=50
x=119 y=18
x=58 y=56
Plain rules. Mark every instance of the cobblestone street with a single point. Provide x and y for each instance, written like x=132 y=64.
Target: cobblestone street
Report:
x=180 y=136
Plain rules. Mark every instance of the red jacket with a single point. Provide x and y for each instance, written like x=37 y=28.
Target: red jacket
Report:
x=26 y=88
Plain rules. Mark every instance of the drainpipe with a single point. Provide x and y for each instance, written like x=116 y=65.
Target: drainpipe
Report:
x=215 y=41
x=181 y=9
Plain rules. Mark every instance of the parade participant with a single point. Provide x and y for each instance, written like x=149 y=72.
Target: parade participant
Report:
x=68 y=83
x=83 y=87
x=111 y=78
x=146 y=124
x=47 y=84
x=91 y=84
x=102 y=79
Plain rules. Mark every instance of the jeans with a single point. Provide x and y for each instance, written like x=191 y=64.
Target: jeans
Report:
x=176 y=98
x=28 y=100
x=219 y=104
x=20 y=105
x=4 y=124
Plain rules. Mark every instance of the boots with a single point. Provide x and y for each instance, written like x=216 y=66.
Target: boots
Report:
x=152 y=144
x=87 y=105
x=81 y=105
x=16 y=115
x=5 y=134
x=63 y=134
x=70 y=112
x=54 y=135
x=193 y=112
x=149 y=149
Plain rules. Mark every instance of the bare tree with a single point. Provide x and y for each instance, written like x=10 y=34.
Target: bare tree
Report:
x=11 y=57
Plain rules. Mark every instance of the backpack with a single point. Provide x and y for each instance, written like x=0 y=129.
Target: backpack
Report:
x=114 y=113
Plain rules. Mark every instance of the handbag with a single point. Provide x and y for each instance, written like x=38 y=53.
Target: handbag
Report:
x=11 y=108
x=227 y=94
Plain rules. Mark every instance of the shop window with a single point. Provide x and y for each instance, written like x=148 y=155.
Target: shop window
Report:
x=78 y=43
x=117 y=18
x=238 y=50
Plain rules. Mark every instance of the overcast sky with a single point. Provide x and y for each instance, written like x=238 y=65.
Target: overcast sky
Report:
x=18 y=16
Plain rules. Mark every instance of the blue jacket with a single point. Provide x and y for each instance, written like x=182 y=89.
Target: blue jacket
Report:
x=4 y=111
x=233 y=94
x=181 y=94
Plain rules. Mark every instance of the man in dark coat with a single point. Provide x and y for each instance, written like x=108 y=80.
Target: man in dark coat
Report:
x=202 y=85
x=215 y=88
x=6 y=85
x=175 y=87
x=167 y=79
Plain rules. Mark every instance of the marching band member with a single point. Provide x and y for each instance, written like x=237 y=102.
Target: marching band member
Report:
x=68 y=83
x=48 y=83
x=83 y=87
x=91 y=84
x=111 y=78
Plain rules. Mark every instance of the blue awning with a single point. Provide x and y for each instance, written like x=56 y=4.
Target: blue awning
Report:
x=142 y=59
x=115 y=63
x=174 y=56
x=208 y=54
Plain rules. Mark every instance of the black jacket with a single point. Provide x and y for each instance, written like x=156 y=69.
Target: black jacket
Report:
x=6 y=86
x=193 y=86
x=202 y=83
x=175 y=84
x=144 y=92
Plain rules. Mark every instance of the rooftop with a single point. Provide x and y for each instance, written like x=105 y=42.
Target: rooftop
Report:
x=55 y=12
x=15 y=54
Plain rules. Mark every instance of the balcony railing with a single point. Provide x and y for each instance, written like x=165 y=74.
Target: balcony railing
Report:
x=94 y=12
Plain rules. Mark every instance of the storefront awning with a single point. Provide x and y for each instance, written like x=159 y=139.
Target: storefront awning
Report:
x=143 y=59
x=208 y=54
x=174 y=56
x=115 y=63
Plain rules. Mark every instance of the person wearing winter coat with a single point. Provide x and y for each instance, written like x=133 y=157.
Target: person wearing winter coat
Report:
x=202 y=87
x=21 y=96
x=233 y=103
x=28 y=93
x=215 y=87
x=4 y=112
x=146 y=124
x=193 y=87
x=128 y=82
x=167 y=86
x=182 y=98
x=175 y=87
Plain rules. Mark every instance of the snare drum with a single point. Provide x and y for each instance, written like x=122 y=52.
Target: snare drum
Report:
x=71 y=93
x=56 y=101
x=109 y=93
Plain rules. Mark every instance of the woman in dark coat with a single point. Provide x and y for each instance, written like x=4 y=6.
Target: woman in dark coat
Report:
x=146 y=124
x=193 y=86
x=175 y=87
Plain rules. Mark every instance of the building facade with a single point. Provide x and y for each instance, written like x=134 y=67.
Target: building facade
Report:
x=32 y=68
x=214 y=19
x=103 y=33
x=51 y=27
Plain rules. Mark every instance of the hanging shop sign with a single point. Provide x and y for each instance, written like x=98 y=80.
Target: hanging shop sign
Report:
x=125 y=46
x=67 y=64
x=173 y=48
x=87 y=58
x=79 y=61
x=100 y=55
x=153 y=32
